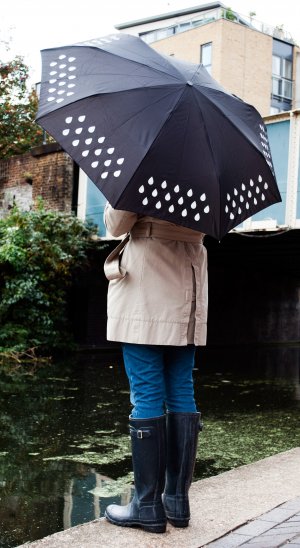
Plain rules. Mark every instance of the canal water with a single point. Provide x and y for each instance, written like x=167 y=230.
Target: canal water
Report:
x=64 y=444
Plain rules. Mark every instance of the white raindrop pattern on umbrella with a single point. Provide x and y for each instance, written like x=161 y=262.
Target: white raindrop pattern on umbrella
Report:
x=243 y=198
x=165 y=197
x=62 y=78
x=87 y=142
x=98 y=42
x=266 y=147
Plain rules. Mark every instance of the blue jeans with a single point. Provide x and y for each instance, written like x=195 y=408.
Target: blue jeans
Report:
x=160 y=379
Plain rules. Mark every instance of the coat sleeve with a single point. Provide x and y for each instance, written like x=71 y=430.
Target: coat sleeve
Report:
x=117 y=221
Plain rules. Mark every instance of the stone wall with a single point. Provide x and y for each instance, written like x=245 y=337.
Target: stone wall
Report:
x=47 y=171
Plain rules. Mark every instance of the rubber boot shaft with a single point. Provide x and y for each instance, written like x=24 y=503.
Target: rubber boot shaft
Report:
x=182 y=438
x=148 y=440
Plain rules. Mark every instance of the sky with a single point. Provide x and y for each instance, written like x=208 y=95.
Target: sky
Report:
x=33 y=25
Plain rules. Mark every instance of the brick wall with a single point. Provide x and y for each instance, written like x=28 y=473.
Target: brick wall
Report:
x=46 y=171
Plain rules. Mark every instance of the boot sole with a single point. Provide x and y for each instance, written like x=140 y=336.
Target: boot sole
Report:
x=155 y=528
x=179 y=523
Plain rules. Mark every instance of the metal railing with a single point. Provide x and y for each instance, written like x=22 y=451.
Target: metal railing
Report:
x=211 y=16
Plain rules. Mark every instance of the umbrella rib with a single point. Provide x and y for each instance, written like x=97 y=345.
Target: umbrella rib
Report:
x=229 y=120
x=185 y=132
x=214 y=162
x=156 y=138
x=214 y=106
x=108 y=93
x=144 y=64
x=148 y=106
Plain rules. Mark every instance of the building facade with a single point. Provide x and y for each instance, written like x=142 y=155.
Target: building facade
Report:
x=254 y=61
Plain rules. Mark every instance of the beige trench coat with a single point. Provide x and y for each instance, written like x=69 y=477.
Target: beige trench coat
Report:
x=162 y=298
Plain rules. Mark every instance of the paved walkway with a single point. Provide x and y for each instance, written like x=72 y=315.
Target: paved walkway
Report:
x=279 y=527
x=256 y=505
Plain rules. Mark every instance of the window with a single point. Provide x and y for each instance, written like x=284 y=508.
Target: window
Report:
x=206 y=56
x=282 y=67
x=276 y=86
x=155 y=35
x=148 y=37
x=287 y=89
x=274 y=110
x=184 y=26
x=276 y=65
x=91 y=203
x=287 y=69
x=282 y=78
x=282 y=88
x=164 y=33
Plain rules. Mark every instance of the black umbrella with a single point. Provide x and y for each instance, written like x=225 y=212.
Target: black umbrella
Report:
x=158 y=136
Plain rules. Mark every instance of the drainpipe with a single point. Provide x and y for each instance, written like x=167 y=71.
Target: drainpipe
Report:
x=293 y=169
x=297 y=81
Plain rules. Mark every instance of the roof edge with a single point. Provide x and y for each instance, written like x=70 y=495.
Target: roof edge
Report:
x=169 y=15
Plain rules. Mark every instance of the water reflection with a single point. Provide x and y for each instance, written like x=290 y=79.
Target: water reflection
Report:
x=53 y=498
x=87 y=496
x=64 y=444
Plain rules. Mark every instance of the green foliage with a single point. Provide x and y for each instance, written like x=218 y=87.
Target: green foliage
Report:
x=39 y=252
x=18 y=107
x=229 y=14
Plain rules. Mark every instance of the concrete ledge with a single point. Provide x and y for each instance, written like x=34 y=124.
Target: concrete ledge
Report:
x=218 y=505
x=45 y=149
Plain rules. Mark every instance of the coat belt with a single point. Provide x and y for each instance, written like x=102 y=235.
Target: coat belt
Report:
x=156 y=230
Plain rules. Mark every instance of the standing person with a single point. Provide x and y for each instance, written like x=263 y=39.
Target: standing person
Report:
x=157 y=309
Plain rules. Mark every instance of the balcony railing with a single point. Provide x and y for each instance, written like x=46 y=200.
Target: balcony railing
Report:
x=214 y=15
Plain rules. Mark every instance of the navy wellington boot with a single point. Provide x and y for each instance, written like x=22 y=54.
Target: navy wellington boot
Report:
x=182 y=438
x=148 y=440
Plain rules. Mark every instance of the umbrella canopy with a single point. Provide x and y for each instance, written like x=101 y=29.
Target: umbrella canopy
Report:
x=158 y=136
